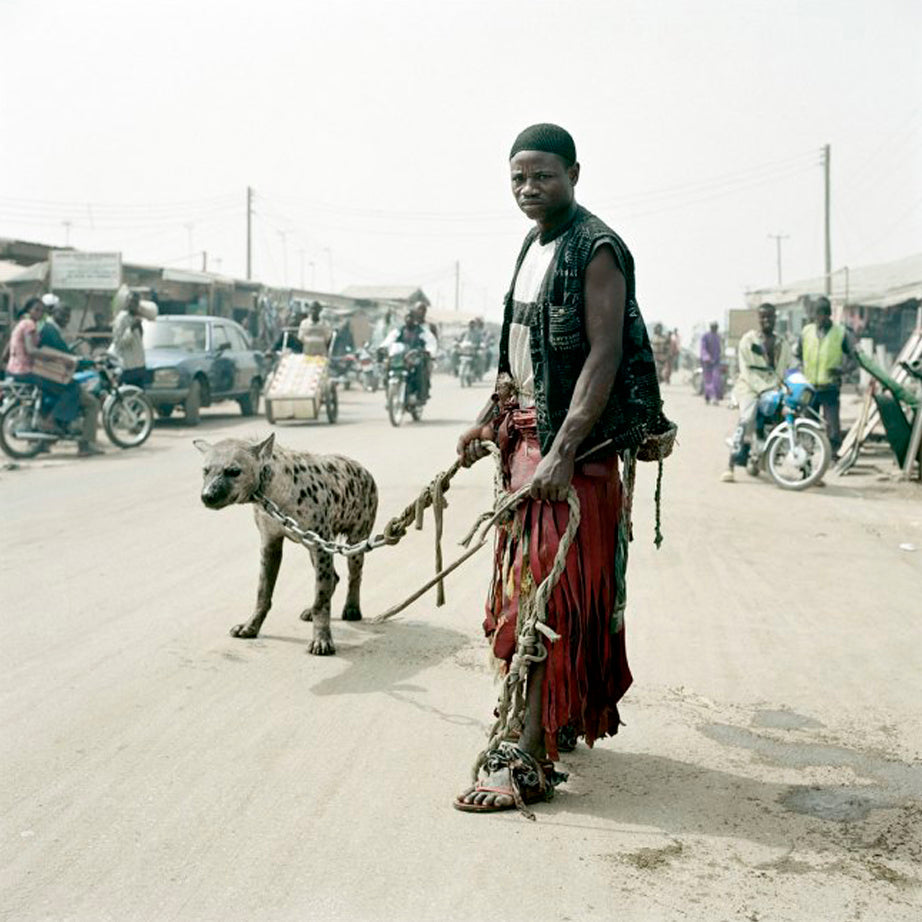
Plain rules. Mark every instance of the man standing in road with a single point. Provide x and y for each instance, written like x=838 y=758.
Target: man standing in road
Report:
x=577 y=385
x=824 y=348
x=763 y=360
x=662 y=353
x=128 y=336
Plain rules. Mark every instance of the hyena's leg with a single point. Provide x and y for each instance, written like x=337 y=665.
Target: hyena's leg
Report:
x=322 y=643
x=352 y=610
x=308 y=613
x=270 y=560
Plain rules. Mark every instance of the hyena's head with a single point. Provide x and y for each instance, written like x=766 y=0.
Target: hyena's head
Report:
x=233 y=470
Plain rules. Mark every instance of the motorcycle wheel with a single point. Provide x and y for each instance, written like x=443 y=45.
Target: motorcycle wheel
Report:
x=798 y=473
x=128 y=420
x=465 y=377
x=13 y=419
x=395 y=407
x=416 y=411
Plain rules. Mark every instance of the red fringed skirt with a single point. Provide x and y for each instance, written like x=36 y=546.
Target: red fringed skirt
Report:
x=587 y=671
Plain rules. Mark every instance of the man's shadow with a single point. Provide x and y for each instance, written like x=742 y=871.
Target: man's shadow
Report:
x=682 y=798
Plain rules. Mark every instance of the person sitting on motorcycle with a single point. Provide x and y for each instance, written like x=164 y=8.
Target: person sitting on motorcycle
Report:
x=420 y=309
x=413 y=335
x=71 y=398
x=315 y=336
x=19 y=354
x=763 y=360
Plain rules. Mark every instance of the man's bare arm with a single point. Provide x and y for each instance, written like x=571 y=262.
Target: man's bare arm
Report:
x=605 y=293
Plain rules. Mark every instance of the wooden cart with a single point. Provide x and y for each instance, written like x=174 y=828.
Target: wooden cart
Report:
x=299 y=387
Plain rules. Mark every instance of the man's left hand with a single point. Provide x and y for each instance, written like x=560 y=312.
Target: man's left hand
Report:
x=552 y=478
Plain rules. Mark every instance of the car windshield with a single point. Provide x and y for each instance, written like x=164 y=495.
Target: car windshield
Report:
x=175 y=334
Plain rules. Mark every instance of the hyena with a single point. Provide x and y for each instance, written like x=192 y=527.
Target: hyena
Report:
x=327 y=494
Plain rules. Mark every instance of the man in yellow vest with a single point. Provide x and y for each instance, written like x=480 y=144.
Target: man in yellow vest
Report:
x=825 y=351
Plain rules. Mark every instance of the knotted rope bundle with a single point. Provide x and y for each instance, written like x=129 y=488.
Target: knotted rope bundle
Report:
x=530 y=649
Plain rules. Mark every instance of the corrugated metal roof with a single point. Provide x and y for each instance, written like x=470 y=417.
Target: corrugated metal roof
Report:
x=879 y=285
x=37 y=272
x=385 y=292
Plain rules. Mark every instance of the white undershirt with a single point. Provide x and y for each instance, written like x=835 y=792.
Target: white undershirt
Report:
x=528 y=285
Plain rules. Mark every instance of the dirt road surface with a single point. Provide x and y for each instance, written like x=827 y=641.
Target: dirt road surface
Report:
x=155 y=768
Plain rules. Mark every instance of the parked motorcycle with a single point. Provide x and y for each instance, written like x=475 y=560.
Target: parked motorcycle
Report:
x=403 y=369
x=127 y=416
x=796 y=450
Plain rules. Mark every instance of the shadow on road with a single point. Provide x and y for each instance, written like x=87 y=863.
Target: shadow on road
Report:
x=387 y=657
x=682 y=798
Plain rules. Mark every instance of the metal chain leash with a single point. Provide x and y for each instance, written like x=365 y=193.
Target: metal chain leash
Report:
x=394 y=531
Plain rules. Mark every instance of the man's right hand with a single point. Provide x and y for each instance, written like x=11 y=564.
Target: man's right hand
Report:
x=470 y=445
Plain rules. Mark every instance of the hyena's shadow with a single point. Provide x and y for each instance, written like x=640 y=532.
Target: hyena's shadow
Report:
x=382 y=657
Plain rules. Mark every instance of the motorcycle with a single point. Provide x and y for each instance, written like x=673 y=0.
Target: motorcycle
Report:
x=344 y=369
x=369 y=369
x=467 y=354
x=403 y=369
x=127 y=415
x=796 y=451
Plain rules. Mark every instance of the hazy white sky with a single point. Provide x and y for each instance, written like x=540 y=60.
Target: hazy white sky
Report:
x=376 y=135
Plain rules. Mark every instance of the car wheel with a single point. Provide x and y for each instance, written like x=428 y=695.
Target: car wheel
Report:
x=193 y=403
x=249 y=405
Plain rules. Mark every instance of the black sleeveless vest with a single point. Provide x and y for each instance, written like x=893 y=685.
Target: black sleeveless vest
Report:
x=559 y=345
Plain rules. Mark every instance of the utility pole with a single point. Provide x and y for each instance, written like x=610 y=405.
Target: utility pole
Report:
x=67 y=225
x=283 y=235
x=188 y=226
x=249 y=233
x=204 y=260
x=329 y=253
x=778 y=238
x=457 y=285
x=826 y=159
x=301 y=254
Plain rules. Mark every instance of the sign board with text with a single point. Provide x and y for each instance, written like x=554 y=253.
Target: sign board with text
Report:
x=75 y=270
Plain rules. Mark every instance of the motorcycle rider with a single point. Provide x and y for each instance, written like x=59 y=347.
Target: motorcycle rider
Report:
x=763 y=360
x=420 y=308
x=413 y=335
x=71 y=398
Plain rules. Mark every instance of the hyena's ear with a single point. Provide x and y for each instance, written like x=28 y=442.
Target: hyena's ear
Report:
x=263 y=450
x=202 y=445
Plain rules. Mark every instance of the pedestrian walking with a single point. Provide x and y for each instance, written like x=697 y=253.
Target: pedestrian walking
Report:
x=711 y=355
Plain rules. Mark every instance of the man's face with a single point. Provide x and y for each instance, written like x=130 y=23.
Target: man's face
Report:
x=823 y=317
x=542 y=184
x=767 y=322
x=61 y=315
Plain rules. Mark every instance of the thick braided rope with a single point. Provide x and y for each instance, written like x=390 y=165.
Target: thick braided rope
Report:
x=530 y=648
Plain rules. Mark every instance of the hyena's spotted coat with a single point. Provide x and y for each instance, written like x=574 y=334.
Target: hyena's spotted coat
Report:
x=327 y=494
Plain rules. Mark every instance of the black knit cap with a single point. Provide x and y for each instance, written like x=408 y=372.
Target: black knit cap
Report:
x=551 y=139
